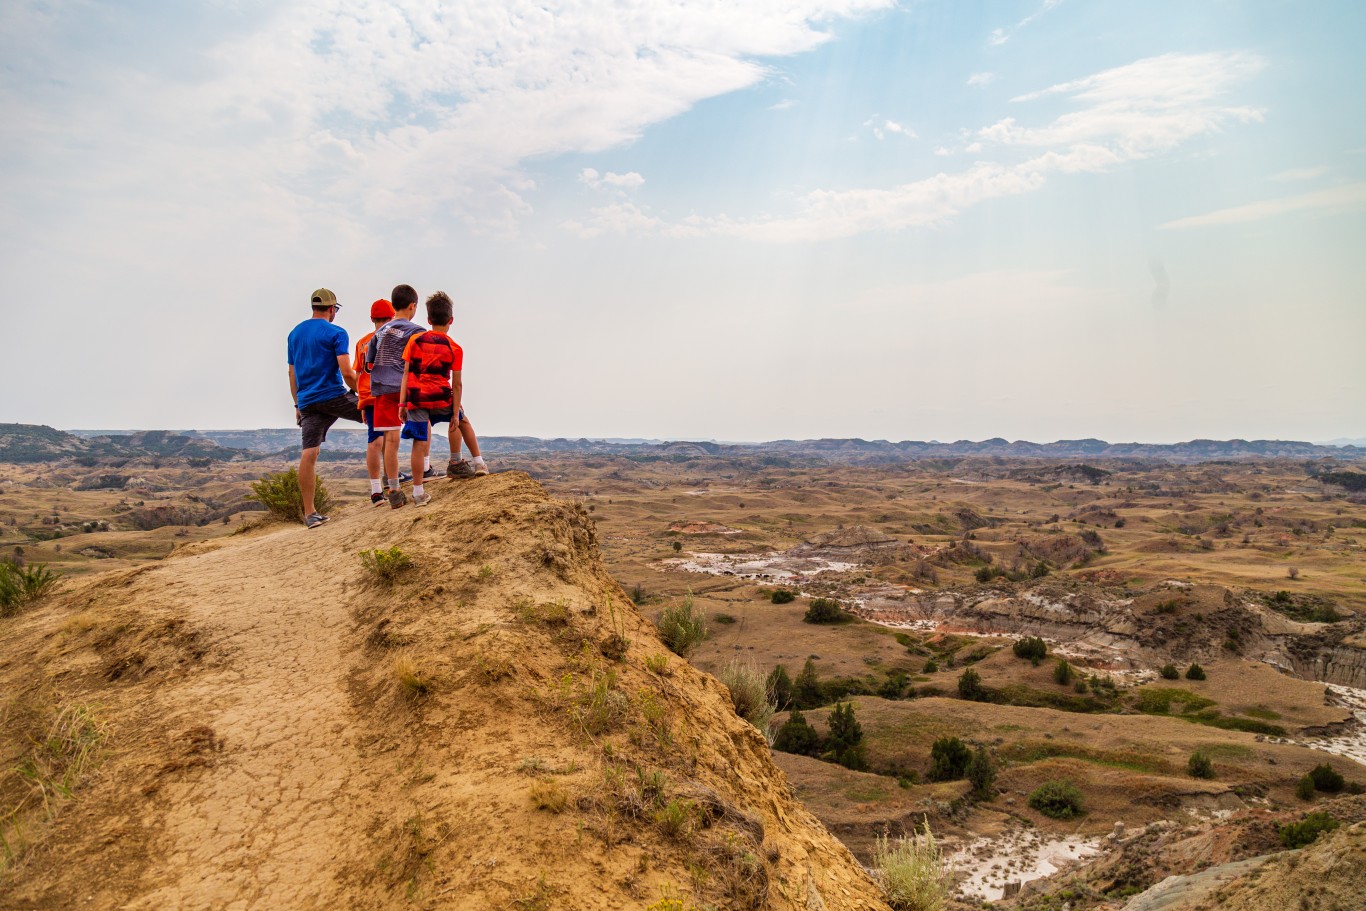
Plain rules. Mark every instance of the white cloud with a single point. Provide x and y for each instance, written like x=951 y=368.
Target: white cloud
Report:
x=628 y=181
x=882 y=129
x=942 y=151
x=1346 y=198
x=1124 y=114
x=997 y=37
x=783 y=105
x=981 y=78
x=1000 y=36
x=1300 y=173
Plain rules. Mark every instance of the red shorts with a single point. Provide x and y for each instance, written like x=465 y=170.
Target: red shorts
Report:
x=386 y=412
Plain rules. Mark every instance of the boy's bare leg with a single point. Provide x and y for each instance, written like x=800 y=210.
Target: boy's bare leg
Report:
x=471 y=441
x=453 y=438
x=374 y=457
x=391 y=457
x=419 y=454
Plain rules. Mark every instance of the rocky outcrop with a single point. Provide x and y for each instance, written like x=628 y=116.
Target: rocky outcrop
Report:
x=857 y=544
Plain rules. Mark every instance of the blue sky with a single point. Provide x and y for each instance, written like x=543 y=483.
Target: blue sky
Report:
x=1040 y=219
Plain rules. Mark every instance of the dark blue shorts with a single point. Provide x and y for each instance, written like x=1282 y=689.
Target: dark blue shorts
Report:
x=371 y=434
x=415 y=430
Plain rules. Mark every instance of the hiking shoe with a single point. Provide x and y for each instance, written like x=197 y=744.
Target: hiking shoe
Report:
x=422 y=499
x=459 y=470
x=404 y=477
x=314 y=519
x=397 y=498
x=376 y=499
x=480 y=469
x=431 y=475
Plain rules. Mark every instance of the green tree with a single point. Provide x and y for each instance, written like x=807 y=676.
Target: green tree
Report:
x=1199 y=766
x=981 y=772
x=808 y=687
x=845 y=743
x=1032 y=648
x=796 y=735
x=1169 y=672
x=949 y=759
x=780 y=687
x=1062 y=672
x=1195 y=672
x=970 y=686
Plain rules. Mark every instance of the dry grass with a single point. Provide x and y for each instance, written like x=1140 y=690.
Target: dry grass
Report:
x=913 y=873
x=413 y=681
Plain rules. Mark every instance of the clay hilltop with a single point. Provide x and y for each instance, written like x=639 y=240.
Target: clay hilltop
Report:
x=858 y=544
x=259 y=721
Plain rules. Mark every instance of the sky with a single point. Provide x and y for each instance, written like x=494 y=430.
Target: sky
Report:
x=886 y=219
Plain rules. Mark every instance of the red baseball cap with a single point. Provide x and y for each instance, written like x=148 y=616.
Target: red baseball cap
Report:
x=381 y=309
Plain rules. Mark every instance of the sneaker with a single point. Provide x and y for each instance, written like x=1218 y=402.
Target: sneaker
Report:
x=377 y=499
x=314 y=519
x=480 y=469
x=431 y=475
x=459 y=470
x=422 y=499
x=397 y=498
x=404 y=477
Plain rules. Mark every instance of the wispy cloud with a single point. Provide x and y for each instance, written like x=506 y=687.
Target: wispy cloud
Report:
x=1125 y=114
x=1000 y=36
x=1347 y=198
x=1300 y=173
x=783 y=105
x=981 y=78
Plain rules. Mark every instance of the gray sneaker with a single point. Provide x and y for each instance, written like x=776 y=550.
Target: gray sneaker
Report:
x=422 y=499
x=314 y=519
x=459 y=470
x=397 y=498
x=480 y=469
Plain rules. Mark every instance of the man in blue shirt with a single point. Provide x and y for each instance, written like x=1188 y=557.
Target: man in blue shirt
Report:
x=319 y=364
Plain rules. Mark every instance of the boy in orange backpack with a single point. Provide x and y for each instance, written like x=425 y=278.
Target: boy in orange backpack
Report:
x=381 y=311
x=431 y=393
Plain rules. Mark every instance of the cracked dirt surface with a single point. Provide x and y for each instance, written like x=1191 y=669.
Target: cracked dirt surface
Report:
x=265 y=753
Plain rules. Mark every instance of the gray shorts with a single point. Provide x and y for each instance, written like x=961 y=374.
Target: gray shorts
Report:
x=435 y=417
x=316 y=419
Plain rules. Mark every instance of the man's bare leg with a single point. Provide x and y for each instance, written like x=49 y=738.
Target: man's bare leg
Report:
x=308 y=479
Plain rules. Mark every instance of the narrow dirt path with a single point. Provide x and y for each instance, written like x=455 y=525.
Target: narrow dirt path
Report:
x=273 y=822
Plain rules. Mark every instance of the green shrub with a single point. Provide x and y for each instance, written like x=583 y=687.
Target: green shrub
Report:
x=1199 y=766
x=949 y=758
x=1195 y=672
x=279 y=493
x=385 y=565
x=931 y=667
x=21 y=585
x=1307 y=830
x=807 y=687
x=970 y=686
x=682 y=627
x=1169 y=672
x=723 y=619
x=1058 y=800
x=1062 y=673
x=749 y=693
x=796 y=735
x=912 y=872
x=1327 y=779
x=1304 y=788
x=1031 y=648
x=783 y=596
x=826 y=610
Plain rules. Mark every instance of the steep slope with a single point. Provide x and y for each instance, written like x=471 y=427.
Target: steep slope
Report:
x=499 y=728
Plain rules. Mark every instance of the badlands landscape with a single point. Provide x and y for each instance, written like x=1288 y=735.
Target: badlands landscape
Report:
x=1166 y=647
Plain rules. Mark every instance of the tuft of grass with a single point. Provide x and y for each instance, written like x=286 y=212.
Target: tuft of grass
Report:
x=912 y=871
x=683 y=626
x=749 y=693
x=487 y=572
x=549 y=796
x=657 y=664
x=68 y=750
x=413 y=680
x=22 y=585
x=385 y=565
x=676 y=819
x=279 y=493
x=550 y=613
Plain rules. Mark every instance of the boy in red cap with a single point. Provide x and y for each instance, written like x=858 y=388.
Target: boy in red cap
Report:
x=381 y=311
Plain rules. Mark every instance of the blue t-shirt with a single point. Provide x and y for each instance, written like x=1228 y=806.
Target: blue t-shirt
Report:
x=314 y=346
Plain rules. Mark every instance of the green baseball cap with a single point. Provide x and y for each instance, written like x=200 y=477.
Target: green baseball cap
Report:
x=324 y=298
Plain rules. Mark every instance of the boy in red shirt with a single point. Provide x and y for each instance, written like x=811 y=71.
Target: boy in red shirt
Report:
x=431 y=393
x=381 y=311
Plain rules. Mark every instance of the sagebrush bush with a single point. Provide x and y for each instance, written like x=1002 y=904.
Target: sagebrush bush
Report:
x=783 y=596
x=385 y=564
x=21 y=585
x=683 y=626
x=825 y=610
x=279 y=493
x=1199 y=766
x=749 y=692
x=1058 y=800
x=912 y=871
x=1307 y=830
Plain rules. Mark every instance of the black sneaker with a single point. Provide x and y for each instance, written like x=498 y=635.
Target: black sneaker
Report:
x=431 y=475
x=397 y=498
x=459 y=470
x=377 y=499
x=314 y=519
x=404 y=477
